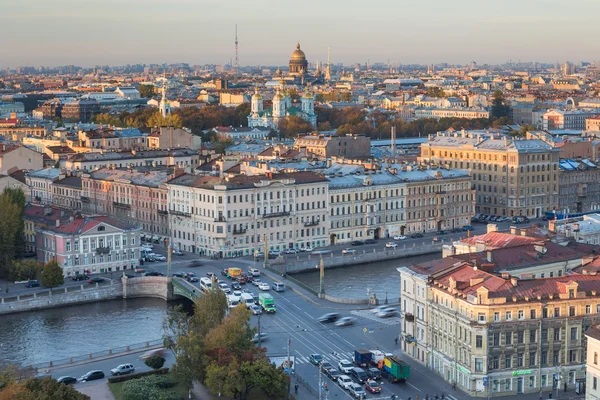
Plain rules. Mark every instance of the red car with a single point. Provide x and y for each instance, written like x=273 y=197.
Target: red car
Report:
x=373 y=387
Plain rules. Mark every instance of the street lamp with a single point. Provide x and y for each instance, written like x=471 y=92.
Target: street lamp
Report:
x=321 y=267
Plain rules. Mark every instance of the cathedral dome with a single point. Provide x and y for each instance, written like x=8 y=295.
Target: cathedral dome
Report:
x=298 y=54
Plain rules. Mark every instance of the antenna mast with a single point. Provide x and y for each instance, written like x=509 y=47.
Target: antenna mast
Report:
x=237 y=65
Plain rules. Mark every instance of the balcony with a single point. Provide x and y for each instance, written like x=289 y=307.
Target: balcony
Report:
x=408 y=317
x=180 y=213
x=121 y=205
x=313 y=222
x=239 y=231
x=164 y=212
x=102 y=250
x=276 y=214
x=85 y=199
x=220 y=219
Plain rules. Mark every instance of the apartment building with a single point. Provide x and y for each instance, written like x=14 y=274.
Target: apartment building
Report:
x=592 y=387
x=13 y=158
x=511 y=177
x=399 y=201
x=566 y=119
x=40 y=182
x=350 y=146
x=181 y=158
x=39 y=216
x=19 y=132
x=137 y=197
x=173 y=138
x=89 y=245
x=239 y=215
x=439 y=113
x=579 y=186
x=66 y=193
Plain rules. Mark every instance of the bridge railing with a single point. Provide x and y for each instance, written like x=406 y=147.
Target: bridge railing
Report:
x=185 y=288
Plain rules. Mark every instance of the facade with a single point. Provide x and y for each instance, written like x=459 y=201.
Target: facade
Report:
x=566 y=119
x=39 y=216
x=7 y=181
x=20 y=132
x=40 y=182
x=89 y=245
x=592 y=123
x=511 y=177
x=592 y=369
x=173 y=138
x=135 y=197
x=282 y=108
x=579 y=186
x=66 y=193
x=321 y=146
x=181 y=158
x=80 y=110
x=438 y=113
x=239 y=215
x=13 y=158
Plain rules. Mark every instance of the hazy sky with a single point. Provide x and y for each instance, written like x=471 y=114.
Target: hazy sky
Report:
x=85 y=32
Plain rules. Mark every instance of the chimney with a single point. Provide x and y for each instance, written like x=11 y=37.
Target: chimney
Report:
x=489 y=256
x=524 y=232
x=492 y=228
x=57 y=223
x=505 y=275
x=480 y=246
x=513 y=281
x=514 y=230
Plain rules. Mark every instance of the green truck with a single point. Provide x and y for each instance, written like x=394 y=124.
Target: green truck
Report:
x=395 y=370
x=266 y=302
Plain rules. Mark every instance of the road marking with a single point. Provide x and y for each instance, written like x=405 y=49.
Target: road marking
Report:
x=411 y=385
x=451 y=397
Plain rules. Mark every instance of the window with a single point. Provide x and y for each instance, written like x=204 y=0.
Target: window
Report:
x=508 y=338
x=555 y=357
x=594 y=383
x=508 y=362
x=481 y=317
x=573 y=333
x=520 y=314
x=479 y=341
x=573 y=355
x=508 y=315
x=519 y=359
x=520 y=336
x=479 y=365
x=571 y=311
x=544 y=357
x=532 y=358
x=544 y=312
x=101 y=228
x=496 y=316
x=532 y=335
x=595 y=358
x=496 y=339
x=556 y=312
x=544 y=335
x=68 y=243
x=532 y=314
x=556 y=334
x=588 y=308
x=532 y=381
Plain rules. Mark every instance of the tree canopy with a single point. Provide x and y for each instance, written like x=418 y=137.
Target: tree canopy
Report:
x=499 y=107
x=146 y=91
x=12 y=206
x=19 y=385
x=52 y=275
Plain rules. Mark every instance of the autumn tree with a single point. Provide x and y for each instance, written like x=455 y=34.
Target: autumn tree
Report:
x=146 y=91
x=107 y=119
x=171 y=120
x=436 y=91
x=23 y=270
x=291 y=126
x=52 y=275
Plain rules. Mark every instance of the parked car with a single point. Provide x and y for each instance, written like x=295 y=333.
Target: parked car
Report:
x=356 y=390
x=315 y=359
x=123 y=369
x=306 y=249
x=80 y=277
x=399 y=237
x=154 y=273
x=387 y=312
x=467 y=228
x=357 y=243
x=345 y=366
x=264 y=286
x=67 y=380
x=344 y=381
x=32 y=283
x=97 y=279
x=92 y=376
x=371 y=241
x=329 y=317
x=160 y=257
x=177 y=252
x=291 y=251
x=345 y=321
x=441 y=232
x=390 y=245
x=373 y=386
x=254 y=272
x=179 y=274
x=348 y=251
x=416 y=235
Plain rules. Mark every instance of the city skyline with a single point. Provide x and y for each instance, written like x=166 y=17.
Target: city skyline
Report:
x=134 y=31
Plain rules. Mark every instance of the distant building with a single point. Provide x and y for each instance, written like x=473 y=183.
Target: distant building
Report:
x=13 y=158
x=579 y=186
x=298 y=64
x=282 y=108
x=566 y=119
x=321 y=146
x=80 y=110
x=128 y=93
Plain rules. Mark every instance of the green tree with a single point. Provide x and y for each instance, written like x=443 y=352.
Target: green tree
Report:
x=12 y=222
x=499 y=107
x=171 y=120
x=146 y=91
x=526 y=128
x=234 y=334
x=346 y=96
x=155 y=362
x=291 y=126
x=293 y=93
x=319 y=98
x=52 y=275
x=18 y=198
x=22 y=270
x=436 y=91
x=107 y=119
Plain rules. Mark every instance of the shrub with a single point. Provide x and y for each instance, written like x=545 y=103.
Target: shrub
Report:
x=155 y=362
x=150 y=388
x=136 y=375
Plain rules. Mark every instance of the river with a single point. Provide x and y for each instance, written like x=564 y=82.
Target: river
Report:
x=353 y=282
x=58 y=333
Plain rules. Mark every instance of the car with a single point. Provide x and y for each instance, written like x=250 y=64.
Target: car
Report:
x=306 y=249
x=32 y=283
x=256 y=282
x=123 y=369
x=153 y=273
x=191 y=277
x=356 y=390
x=225 y=271
x=373 y=386
x=92 y=376
x=254 y=272
x=437 y=239
x=441 y=232
x=345 y=366
x=467 y=228
x=291 y=251
x=359 y=375
x=153 y=352
x=345 y=321
x=67 y=380
x=379 y=308
x=259 y=254
x=329 y=317
x=179 y=274
x=371 y=241
x=387 y=312
x=391 y=245
x=315 y=359
x=357 y=243
x=80 y=277
x=348 y=251
x=160 y=257
x=210 y=275
x=256 y=310
x=416 y=235
x=97 y=279
x=332 y=373
x=264 y=286
x=130 y=276
x=194 y=264
x=29 y=254
x=237 y=293
x=236 y=286
x=326 y=365
x=374 y=373
x=344 y=381
x=263 y=336
x=177 y=252
x=224 y=287
x=400 y=237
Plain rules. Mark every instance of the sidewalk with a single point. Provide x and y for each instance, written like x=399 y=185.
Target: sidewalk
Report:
x=97 y=392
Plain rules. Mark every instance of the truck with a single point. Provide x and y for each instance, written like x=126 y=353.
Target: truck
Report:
x=233 y=272
x=266 y=302
x=362 y=357
x=395 y=370
x=377 y=357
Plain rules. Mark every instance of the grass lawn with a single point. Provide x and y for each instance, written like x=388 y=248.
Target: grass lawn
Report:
x=117 y=390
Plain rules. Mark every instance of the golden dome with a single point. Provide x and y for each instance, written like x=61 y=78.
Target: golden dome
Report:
x=298 y=54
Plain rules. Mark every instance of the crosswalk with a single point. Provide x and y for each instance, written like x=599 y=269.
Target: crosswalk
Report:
x=372 y=316
x=333 y=358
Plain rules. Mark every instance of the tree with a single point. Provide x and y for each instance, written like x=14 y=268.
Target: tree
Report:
x=291 y=126
x=171 y=120
x=234 y=334
x=39 y=389
x=107 y=119
x=18 y=198
x=52 y=275
x=293 y=93
x=499 y=107
x=23 y=270
x=12 y=222
x=436 y=92
x=155 y=362
x=146 y=91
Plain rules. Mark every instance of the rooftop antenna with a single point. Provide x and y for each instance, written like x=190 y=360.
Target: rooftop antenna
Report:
x=237 y=65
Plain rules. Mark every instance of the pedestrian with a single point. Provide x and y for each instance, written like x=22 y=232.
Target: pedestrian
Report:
x=540 y=395
x=565 y=387
x=396 y=340
x=454 y=386
x=417 y=397
x=296 y=388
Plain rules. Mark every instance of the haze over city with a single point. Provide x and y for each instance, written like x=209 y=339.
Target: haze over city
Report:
x=199 y=32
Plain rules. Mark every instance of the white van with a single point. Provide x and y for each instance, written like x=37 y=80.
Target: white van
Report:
x=232 y=301
x=248 y=300
x=205 y=284
x=278 y=286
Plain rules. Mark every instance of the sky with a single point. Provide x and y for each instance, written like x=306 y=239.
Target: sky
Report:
x=118 y=32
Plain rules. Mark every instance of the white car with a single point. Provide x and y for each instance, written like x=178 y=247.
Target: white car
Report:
x=348 y=251
x=237 y=294
x=399 y=237
x=291 y=251
x=345 y=381
x=256 y=282
x=387 y=312
x=345 y=321
x=159 y=257
x=307 y=249
x=391 y=245
x=356 y=390
x=264 y=286
x=345 y=366
x=224 y=287
x=254 y=272
x=379 y=308
x=122 y=369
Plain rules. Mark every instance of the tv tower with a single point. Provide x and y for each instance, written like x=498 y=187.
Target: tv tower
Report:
x=328 y=70
x=237 y=65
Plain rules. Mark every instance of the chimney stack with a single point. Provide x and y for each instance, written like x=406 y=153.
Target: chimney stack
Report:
x=57 y=223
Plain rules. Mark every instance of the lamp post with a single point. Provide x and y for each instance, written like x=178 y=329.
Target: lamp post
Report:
x=321 y=267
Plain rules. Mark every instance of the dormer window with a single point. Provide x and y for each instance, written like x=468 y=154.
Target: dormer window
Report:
x=101 y=228
x=571 y=293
